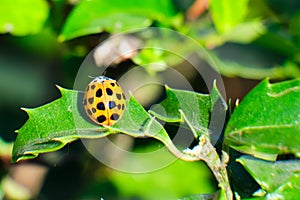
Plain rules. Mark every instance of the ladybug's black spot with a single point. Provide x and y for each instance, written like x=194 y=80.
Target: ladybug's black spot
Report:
x=91 y=100
x=123 y=96
x=89 y=112
x=119 y=96
x=115 y=116
x=101 y=106
x=112 y=84
x=111 y=104
x=101 y=119
x=119 y=106
x=88 y=88
x=109 y=91
x=99 y=93
x=93 y=87
x=84 y=101
x=123 y=106
x=94 y=110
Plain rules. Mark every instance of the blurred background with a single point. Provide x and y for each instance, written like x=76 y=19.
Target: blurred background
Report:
x=43 y=43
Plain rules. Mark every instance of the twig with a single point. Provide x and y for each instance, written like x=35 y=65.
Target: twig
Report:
x=206 y=152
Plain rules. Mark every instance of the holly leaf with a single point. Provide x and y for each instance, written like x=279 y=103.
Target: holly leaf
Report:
x=266 y=122
x=51 y=126
x=280 y=178
x=196 y=107
x=213 y=196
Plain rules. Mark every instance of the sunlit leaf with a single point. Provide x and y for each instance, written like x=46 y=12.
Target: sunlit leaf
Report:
x=23 y=17
x=280 y=178
x=228 y=13
x=198 y=114
x=95 y=16
x=195 y=106
x=267 y=120
x=52 y=126
x=245 y=32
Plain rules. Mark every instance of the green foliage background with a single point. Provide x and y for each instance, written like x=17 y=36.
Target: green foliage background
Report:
x=44 y=45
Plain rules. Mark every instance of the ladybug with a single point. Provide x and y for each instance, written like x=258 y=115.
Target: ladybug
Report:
x=104 y=101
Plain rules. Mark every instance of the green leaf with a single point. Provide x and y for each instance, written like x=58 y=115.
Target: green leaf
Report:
x=283 y=45
x=199 y=197
x=280 y=178
x=198 y=115
x=176 y=100
x=94 y=16
x=227 y=14
x=154 y=57
x=23 y=17
x=294 y=27
x=52 y=126
x=289 y=189
x=245 y=32
x=153 y=60
x=137 y=122
x=202 y=196
x=267 y=122
x=255 y=69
